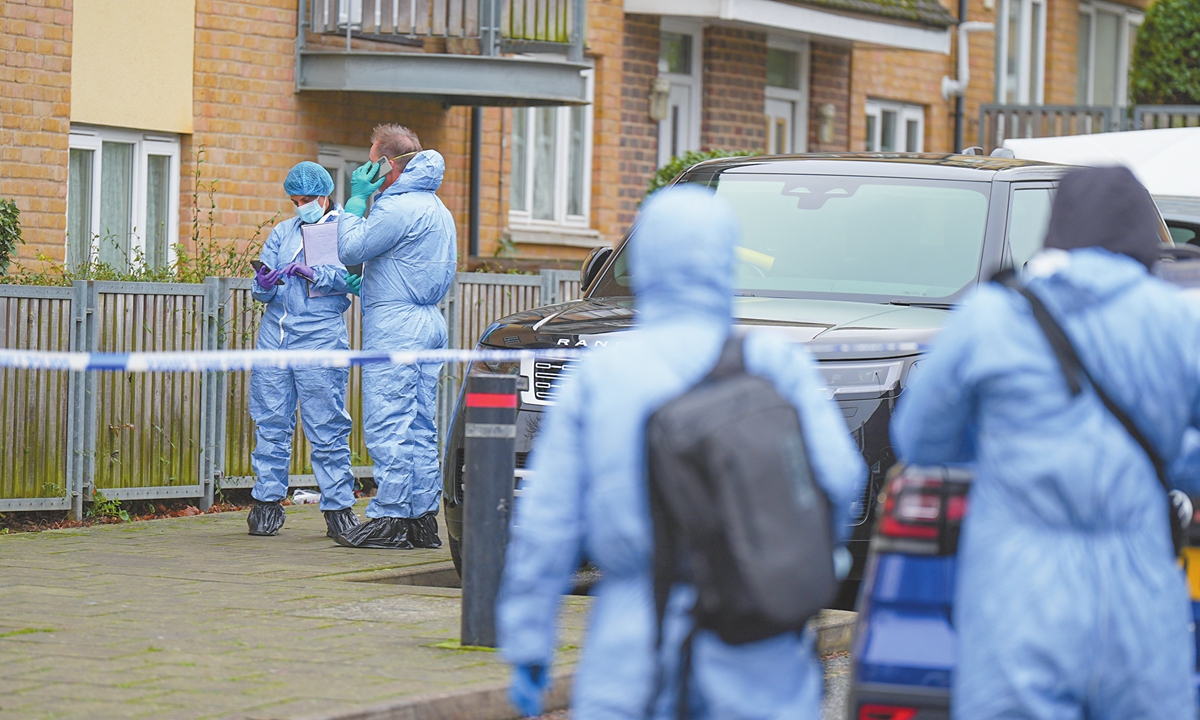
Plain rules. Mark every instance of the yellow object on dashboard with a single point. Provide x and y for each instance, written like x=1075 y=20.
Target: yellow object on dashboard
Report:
x=753 y=257
x=1191 y=561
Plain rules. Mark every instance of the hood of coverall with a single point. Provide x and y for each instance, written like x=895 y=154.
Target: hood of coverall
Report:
x=681 y=255
x=1105 y=207
x=422 y=174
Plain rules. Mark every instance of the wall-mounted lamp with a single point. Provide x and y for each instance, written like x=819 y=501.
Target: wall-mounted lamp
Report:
x=825 y=130
x=660 y=97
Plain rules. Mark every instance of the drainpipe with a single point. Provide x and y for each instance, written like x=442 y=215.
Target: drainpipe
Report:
x=958 y=86
x=960 y=101
x=476 y=180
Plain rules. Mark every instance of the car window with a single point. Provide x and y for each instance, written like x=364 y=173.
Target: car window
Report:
x=1028 y=218
x=1182 y=233
x=834 y=235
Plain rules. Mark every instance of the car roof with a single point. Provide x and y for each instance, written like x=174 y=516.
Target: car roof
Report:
x=901 y=165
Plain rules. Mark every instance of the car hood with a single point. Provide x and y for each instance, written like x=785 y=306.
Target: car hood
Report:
x=820 y=322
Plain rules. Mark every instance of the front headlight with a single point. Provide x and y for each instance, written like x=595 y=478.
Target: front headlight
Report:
x=503 y=367
x=861 y=380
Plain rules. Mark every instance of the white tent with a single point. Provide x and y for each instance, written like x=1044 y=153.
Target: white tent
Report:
x=1166 y=161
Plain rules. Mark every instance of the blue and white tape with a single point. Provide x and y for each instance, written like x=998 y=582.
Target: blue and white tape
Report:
x=239 y=360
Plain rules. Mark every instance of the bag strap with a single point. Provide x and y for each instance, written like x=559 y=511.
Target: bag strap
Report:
x=730 y=362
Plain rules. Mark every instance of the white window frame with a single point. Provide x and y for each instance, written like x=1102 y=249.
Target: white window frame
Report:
x=89 y=137
x=1129 y=18
x=345 y=159
x=694 y=81
x=522 y=218
x=904 y=113
x=1025 y=95
x=799 y=97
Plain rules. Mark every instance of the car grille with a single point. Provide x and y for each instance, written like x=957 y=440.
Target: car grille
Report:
x=547 y=376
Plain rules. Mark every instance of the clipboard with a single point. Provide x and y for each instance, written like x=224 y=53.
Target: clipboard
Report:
x=320 y=248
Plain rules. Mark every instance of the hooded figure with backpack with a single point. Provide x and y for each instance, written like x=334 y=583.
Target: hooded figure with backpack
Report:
x=589 y=496
x=1069 y=599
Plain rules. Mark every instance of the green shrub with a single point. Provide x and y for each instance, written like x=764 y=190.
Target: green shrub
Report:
x=676 y=165
x=10 y=233
x=1166 y=58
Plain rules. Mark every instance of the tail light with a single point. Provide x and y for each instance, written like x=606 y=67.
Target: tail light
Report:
x=923 y=509
x=886 y=712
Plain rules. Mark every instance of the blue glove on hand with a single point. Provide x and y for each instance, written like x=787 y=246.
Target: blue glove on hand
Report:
x=354 y=282
x=266 y=278
x=362 y=187
x=528 y=689
x=294 y=269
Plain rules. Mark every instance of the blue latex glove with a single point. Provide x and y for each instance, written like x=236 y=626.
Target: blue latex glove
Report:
x=528 y=689
x=362 y=187
x=354 y=282
x=294 y=269
x=266 y=278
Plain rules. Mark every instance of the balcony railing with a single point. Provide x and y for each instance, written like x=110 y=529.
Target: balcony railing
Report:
x=998 y=123
x=497 y=25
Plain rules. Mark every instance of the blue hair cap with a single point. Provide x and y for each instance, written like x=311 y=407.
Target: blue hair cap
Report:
x=308 y=178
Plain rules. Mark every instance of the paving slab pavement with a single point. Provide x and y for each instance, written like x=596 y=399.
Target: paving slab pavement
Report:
x=193 y=618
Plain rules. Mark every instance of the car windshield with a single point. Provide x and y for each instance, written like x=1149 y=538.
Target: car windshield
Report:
x=874 y=238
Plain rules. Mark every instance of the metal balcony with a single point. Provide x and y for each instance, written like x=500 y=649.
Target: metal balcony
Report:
x=458 y=52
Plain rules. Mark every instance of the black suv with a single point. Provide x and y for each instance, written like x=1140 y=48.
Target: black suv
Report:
x=847 y=249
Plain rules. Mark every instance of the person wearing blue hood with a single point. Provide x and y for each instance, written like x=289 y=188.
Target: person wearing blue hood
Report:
x=408 y=245
x=1069 y=602
x=296 y=319
x=588 y=496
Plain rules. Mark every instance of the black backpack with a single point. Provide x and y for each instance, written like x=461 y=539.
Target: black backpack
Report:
x=736 y=509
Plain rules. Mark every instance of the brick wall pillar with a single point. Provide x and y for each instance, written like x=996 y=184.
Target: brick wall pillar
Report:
x=639 y=134
x=735 y=79
x=35 y=119
x=829 y=98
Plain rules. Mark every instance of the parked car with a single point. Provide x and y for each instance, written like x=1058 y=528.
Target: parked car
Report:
x=836 y=249
x=1182 y=215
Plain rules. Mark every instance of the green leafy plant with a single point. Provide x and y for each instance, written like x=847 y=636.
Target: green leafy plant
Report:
x=103 y=507
x=10 y=233
x=1166 y=59
x=676 y=165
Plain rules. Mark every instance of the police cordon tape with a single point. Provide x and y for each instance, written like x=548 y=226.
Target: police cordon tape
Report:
x=239 y=360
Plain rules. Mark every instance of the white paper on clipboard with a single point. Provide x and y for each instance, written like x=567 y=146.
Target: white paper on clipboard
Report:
x=320 y=248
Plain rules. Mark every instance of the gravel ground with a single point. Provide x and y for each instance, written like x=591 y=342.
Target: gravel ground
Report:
x=837 y=689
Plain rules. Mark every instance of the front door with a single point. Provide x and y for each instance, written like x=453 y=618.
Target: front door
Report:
x=781 y=116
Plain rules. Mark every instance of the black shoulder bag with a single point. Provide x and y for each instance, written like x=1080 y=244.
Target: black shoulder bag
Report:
x=1073 y=368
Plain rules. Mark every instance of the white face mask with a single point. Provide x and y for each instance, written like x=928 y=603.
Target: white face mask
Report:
x=310 y=212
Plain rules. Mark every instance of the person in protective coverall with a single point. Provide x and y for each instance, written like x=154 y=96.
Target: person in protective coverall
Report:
x=588 y=495
x=294 y=321
x=1069 y=600
x=408 y=244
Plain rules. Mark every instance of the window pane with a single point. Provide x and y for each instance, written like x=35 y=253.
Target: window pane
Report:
x=1012 y=75
x=1083 y=75
x=1107 y=26
x=79 y=207
x=158 y=184
x=1027 y=224
x=116 y=202
x=871 y=126
x=520 y=160
x=912 y=136
x=545 y=152
x=676 y=52
x=887 y=139
x=1035 y=50
x=783 y=68
x=575 y=162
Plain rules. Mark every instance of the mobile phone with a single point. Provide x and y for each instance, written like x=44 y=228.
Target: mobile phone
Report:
x=382 y=169
x=258 y=266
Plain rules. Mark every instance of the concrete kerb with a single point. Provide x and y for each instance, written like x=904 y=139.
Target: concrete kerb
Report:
x=834 y=628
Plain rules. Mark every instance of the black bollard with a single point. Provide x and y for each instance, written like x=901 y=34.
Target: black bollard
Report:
x=491 y=431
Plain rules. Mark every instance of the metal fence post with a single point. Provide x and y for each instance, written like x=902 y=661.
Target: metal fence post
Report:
x=491 y=407
x=75 y=402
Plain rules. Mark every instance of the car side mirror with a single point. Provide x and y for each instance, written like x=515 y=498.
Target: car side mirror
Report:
x=592 y=264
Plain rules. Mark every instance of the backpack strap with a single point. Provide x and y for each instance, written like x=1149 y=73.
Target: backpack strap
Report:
x=731 y=361
x=1074 y=369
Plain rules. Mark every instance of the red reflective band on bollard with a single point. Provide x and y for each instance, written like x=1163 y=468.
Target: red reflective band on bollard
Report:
x=491 y=400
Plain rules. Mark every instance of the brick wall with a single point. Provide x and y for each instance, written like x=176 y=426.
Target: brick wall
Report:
x=639 y=134
x=829 y=86
x=735 y=78
x=35 y=119
x=606 y=47
x=904 y=76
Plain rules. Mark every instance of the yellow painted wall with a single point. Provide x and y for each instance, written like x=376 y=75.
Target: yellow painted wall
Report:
x=131 y=64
